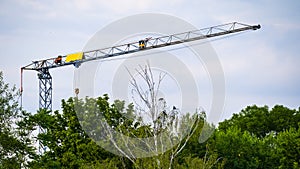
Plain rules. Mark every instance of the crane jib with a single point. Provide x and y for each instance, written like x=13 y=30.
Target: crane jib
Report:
x=149 y=43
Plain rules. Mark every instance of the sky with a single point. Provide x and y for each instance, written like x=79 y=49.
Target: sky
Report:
x=260 y=67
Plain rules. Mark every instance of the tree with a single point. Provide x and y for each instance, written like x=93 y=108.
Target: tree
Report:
x=68 y=144
x=240 y=149
x=288 y=148
x=193 y=147
x=171 y=129
x=271 y=137
x=126 y=133
x=282 y=118
x=267 y=152
x=73 y=136
x=109 y=126
x=261 y=121
x=209 y=160
x=15 y=143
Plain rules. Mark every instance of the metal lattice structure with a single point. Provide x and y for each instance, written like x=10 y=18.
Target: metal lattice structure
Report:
x=43 y=66
x=150 y=43
x=45 y=89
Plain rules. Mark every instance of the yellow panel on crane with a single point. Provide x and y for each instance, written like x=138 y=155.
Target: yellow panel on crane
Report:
x=74 y=57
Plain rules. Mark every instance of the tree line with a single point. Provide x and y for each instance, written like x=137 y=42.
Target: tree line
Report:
x=256 y=137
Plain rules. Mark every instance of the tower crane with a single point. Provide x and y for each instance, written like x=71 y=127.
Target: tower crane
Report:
x=76 y=59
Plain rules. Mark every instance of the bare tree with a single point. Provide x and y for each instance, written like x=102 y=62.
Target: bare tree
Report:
x=171 y=129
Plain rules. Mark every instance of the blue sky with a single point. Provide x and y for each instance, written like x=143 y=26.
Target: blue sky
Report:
x=260 y=67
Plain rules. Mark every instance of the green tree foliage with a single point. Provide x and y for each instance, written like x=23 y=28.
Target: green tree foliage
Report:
x=268 y=155
x=282 y=118
x=260 y=138
x=207 y=162
x=233 y=145
x=194 y=148
x=238 y=148
x=257 y=137
x=70 y=138
x=262 y=121
x=288 y=148
x=15 y=143
x=68 y=145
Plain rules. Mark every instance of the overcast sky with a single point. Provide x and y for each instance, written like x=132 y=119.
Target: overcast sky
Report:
x=260 y=67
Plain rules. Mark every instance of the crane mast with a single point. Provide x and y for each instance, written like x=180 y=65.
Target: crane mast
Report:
x=76 y=59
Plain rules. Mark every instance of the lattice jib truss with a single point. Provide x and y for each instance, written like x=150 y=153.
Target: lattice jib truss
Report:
x=150 y=43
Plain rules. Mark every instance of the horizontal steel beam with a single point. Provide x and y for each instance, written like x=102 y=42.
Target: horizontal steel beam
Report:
x=149 y=43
